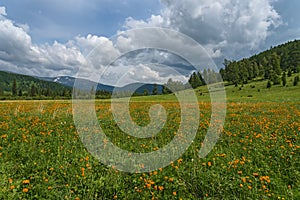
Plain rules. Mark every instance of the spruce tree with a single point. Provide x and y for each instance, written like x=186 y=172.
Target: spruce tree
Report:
x=269 y=84
x=296 y=80
x=155 y=90
x=283 y=79
x=14 y=88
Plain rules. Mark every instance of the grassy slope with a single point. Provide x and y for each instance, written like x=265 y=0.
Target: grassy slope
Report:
x=260 y=93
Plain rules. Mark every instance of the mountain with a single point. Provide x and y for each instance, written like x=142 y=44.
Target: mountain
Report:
x=84 y=83
x=140 y=88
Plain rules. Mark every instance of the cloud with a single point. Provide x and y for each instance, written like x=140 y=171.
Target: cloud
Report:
x=18 y=50
x=241 y=25
x=153 y=21
x=226 y=28
x=2 y=11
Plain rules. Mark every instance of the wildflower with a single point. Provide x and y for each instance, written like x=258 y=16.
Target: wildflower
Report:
x=255 y=174
x=174 y=193
x=25 y=190
x=244 y=180
x=26 y=181
x=82 y=172
x=12 y=187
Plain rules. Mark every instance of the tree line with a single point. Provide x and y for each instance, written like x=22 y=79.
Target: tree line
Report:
x=272 y=65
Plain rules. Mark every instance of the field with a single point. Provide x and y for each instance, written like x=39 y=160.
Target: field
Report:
x=257 y=156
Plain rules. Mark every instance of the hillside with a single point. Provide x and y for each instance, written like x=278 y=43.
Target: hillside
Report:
x=273 y=65
x=12 y=84
x=17 y=86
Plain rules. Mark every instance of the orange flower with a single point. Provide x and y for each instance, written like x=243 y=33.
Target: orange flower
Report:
x=209 y=164
x=174 y=193
x=255 y=174
x=25 y=190
x=26 y=181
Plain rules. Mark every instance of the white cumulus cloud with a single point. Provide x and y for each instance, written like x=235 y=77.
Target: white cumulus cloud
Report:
x=241 y=25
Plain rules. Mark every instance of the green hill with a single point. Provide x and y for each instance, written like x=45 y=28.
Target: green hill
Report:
x=272 y=64
x=22 y=86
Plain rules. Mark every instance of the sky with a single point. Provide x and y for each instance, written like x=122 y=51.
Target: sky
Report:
x=56 y=38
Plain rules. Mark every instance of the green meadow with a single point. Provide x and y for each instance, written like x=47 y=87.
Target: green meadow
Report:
x=256 y=157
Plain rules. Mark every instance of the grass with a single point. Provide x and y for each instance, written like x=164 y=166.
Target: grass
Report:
x=257 y=156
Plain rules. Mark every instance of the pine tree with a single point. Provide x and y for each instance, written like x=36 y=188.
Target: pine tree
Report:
x=269 y=84
x=283 y=79
x=289 y=73
x=33 y=90
x=20 y=93
x=296 y=80
x=145 y=93
x=165 y=90
x=155 y=90
x=14 y=88
x=1 y=91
